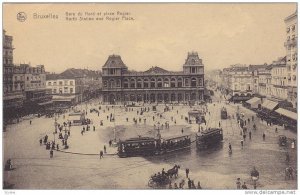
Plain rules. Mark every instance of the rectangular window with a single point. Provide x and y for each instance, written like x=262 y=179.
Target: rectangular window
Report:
x=60 y=82
x=66 y=82
x=71 y=90
x=71 y=82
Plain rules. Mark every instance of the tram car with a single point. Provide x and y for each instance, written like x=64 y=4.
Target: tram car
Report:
x=223 y=113
x=141 y=146
x=209 y=138
x=147 y=146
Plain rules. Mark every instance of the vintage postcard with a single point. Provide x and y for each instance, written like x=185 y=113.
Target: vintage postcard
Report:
x=171 y=96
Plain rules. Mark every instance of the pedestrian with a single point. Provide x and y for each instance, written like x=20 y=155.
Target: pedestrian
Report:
x=242 y=143
x=41 y=141
x=219 y=124
x=287 y=157
x=264 y=136
x=51 y=153
x=244 y=186
x=182 y=130
x=189 y=183
x=198 y=185
x=30 y=122
x=276 y=130
x=94 y=128
x=170 y=186
x=187 y=171
x=110 y=142
x=57 y=147
x=244 y=136
x=238 y=183
x=104 y=149
x=175 y=186
x=230 y=148
x=101 y=154
x=250 y=135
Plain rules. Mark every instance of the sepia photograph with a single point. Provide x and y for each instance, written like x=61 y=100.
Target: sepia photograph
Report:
x=150 y=96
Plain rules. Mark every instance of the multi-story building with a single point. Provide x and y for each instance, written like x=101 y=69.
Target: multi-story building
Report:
x=279 y=81
x=63 y=89
x=7 y=49
x=241 y=84
x=13 y=85
x=154 y=85
x=291 y=56
x=74 y=85
x=256 y=72
x=264 y=81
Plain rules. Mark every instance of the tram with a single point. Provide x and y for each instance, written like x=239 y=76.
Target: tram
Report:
x=223 y=113
x=209 y=138
x=141 y=146
x=147 y=146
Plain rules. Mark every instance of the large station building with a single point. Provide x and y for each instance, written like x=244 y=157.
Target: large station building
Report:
x=154 y=85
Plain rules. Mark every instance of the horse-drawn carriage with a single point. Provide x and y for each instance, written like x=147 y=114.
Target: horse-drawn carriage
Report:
x=161 y=180
x=158 y=181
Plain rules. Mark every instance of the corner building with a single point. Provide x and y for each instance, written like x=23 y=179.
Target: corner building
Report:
x=155 y=85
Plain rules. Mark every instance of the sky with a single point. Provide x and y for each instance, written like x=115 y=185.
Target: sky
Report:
x=160 y=34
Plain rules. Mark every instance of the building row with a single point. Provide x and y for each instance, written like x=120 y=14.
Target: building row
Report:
x=276 y=81
x=30 y=89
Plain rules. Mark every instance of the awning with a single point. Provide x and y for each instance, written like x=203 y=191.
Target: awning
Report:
x=57 y=98
x=254 y=102
x=287 y=113
x=270 y=105
x=45 y=103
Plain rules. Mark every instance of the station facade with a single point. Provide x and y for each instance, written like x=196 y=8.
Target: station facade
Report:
x=155 y=85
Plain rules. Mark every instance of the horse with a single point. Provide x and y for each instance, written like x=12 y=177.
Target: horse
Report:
x=173 y=171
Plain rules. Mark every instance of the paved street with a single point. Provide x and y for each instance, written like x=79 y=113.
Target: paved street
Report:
x=214 y=168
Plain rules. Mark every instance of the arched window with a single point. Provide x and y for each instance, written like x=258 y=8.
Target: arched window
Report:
x=187 y=82
x=112 y=83
x=132 y=83
x=173 y=82
x=139 y=83
x=126 y=83
x=146 y=83
x=159 y=83
x=166 y=82
x=118 y=83
x=152 y=84
x=179 y=82
x=193 y=82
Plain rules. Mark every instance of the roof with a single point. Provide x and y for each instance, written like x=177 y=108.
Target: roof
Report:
x=256 y=67
x=177 y=136
x=270 y=105
x=139 y=139
x=287 y=113
x=209 y=131
x=114 y=61
x=75 y=73
x=193 y=59
x=156 y=70
x=253 y=100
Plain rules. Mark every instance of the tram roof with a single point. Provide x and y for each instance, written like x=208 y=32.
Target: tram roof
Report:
x=138 y=139
x=209 y=131
x=176 y=136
